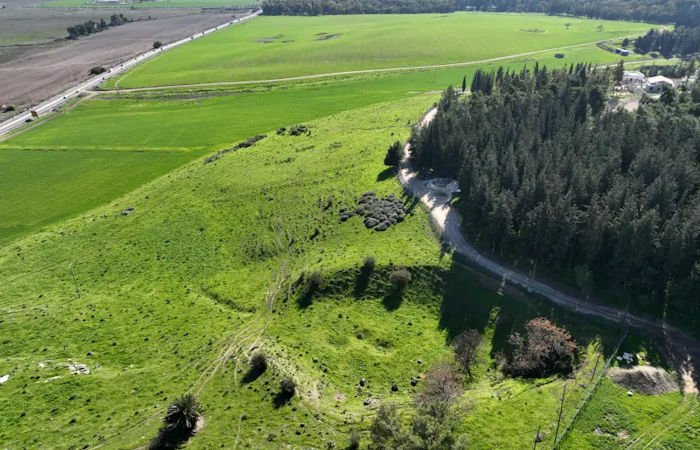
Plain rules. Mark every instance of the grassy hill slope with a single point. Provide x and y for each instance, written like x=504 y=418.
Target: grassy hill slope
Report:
x=176 y=295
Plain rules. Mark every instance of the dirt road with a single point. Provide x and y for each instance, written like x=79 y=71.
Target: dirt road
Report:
x=683 y=349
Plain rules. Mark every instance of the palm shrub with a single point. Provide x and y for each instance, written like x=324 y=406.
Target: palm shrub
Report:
x=183 y=413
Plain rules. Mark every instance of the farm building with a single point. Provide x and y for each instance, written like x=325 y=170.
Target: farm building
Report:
x=657 y=84
x=633 y=77
x=622 y=51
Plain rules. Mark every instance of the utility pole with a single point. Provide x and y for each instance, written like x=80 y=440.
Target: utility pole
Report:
x=77 y=289
x=561 y=409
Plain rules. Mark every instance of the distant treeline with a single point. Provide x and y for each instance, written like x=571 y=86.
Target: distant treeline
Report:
x=682 y=41
x=549 y=175
x=681 y=70
x=681 y=12
x=91 y=26
x=330 y=7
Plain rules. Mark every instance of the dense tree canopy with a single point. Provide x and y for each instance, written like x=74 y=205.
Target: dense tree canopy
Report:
x=549 y=174
x=682 y=12
x=682 y=41
x=328 y=7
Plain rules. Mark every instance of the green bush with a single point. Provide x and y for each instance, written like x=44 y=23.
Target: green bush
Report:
x=399 y=279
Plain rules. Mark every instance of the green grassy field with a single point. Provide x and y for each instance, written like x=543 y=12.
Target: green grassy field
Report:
x=109 y=145
x=613 y=420
x=275 y=47
x=176 y=295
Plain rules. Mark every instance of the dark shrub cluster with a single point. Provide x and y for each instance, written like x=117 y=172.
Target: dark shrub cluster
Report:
x=399 y=279
x=394 y=154
x=544 y=350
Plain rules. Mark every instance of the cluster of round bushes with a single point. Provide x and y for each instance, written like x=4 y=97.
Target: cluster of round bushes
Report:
x=379 y=213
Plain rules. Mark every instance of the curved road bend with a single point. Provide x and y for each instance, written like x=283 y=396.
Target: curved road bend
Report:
x=682 y=348
x=75 y=91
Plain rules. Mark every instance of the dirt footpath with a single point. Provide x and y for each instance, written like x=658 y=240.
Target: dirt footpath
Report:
x=42 y=72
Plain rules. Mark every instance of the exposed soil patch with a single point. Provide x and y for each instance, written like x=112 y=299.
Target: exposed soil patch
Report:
x=325 y=37
x=646 y=380
x=378 y=213
x=40 y=71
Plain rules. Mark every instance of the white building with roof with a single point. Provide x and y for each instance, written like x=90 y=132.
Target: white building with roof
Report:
x=657 y=84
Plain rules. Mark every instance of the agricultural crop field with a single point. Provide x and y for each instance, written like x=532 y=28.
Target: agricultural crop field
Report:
x=278 y=47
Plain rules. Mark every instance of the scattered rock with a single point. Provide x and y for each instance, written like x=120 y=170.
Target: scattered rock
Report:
x=362 y=381
x=245 y=144
x=394 y=387
x=379 y=213
x=4 y=378
x=414 y=381
x=367 y=402
x=78 y=369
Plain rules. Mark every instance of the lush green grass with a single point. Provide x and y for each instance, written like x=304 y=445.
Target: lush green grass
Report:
x=612 y=420
x=276 y=47
x=193 y=274
x=105 y=148
x=42 y=187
